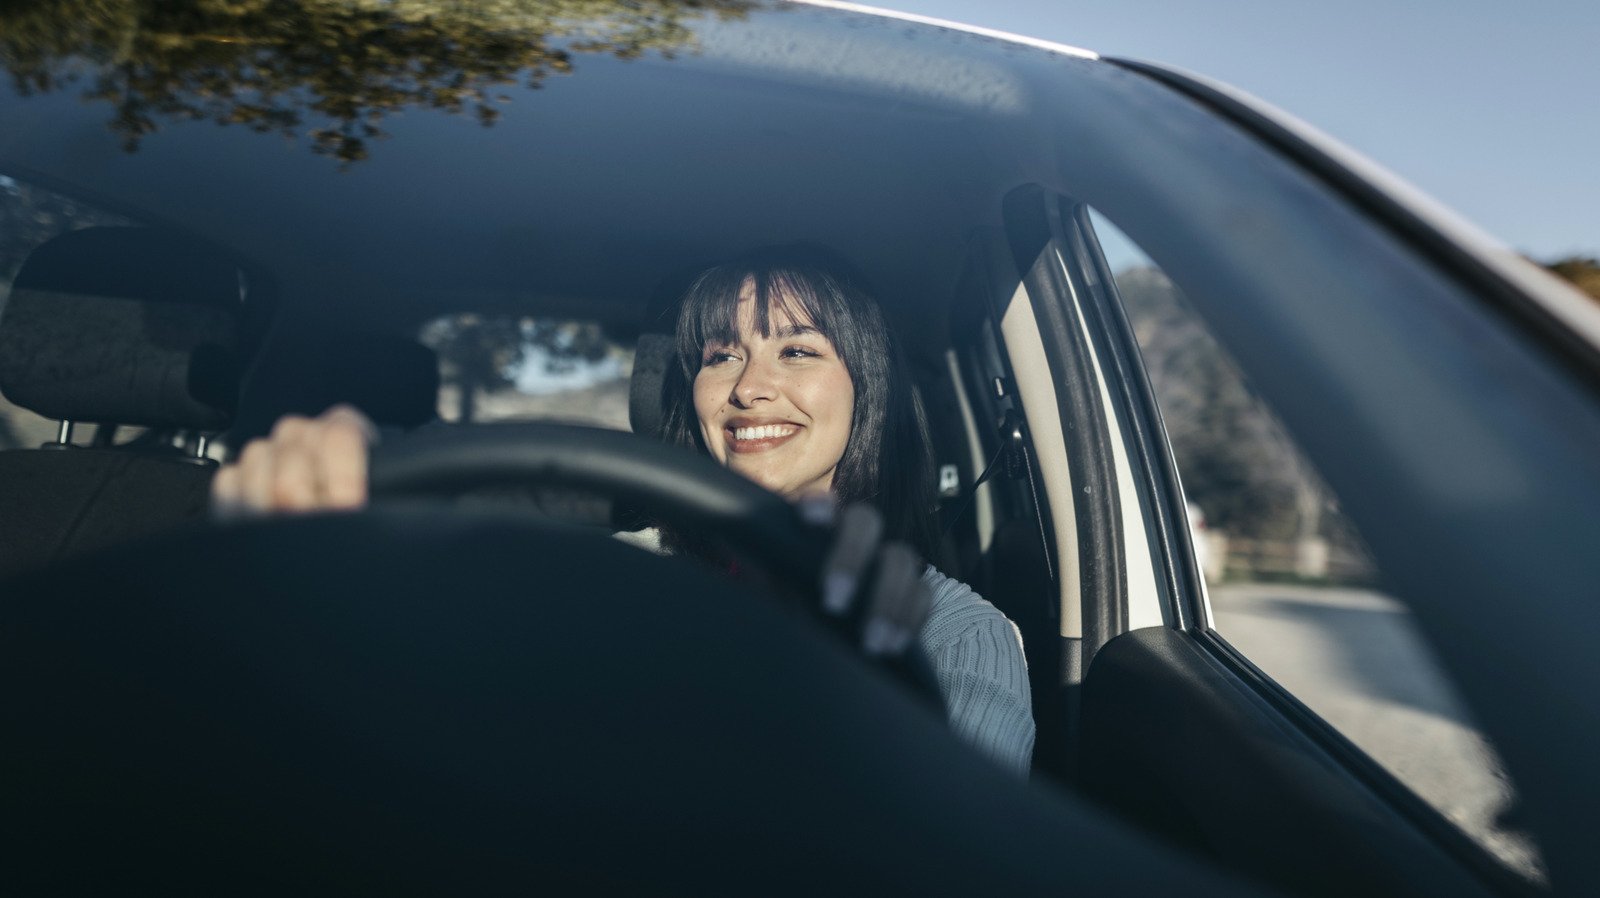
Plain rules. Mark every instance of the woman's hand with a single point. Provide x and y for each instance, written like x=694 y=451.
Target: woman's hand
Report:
x=883 y=577
x=307 y=464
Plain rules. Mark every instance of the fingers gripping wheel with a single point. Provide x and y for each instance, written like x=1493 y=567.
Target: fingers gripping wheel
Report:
x=873 y=591
x=869 y=592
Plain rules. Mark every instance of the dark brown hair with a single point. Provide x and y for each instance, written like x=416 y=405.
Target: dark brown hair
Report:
x=888 y=458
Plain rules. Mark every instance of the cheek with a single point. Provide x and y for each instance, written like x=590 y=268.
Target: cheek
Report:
x=702 y=397
x=706 y=406
x=833 y=401
x=847 y=412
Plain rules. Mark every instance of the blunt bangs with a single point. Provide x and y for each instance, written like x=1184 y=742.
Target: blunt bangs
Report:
x=710 y=313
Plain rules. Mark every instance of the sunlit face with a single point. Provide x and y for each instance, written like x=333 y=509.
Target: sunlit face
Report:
x=776 y=409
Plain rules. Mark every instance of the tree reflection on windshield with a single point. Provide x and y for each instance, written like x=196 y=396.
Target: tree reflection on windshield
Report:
x=339 y=66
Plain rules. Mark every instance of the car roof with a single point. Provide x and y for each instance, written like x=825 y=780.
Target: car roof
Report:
x=864 y=9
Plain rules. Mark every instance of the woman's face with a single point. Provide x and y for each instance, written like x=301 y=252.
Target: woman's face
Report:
x=776 y=409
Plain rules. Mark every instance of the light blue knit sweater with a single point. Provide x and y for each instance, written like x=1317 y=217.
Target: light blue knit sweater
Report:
x=976 y=653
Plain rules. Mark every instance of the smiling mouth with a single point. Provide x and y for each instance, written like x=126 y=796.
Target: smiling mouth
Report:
x=757 y=439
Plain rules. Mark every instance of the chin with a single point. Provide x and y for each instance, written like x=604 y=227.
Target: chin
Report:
x=757 y=477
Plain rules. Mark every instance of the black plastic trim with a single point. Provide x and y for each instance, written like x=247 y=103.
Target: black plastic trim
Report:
x=1155 y=473
x=1360 y=765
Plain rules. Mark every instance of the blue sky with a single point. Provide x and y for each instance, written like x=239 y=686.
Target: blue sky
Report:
x=1493 y=108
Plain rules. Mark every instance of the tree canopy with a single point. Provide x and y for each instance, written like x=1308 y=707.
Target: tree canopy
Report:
x=334 y=67
x=1582 y=271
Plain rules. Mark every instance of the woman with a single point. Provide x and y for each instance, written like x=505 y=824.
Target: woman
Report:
x=787 y=375
x=787 y=339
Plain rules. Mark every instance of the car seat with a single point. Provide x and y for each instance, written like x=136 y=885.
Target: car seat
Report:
x=115 y=326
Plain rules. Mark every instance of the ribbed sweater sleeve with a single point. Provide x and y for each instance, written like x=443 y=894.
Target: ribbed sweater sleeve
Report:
x=976 y=653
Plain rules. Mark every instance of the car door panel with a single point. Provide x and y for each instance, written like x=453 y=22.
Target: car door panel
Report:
x=1177 y=740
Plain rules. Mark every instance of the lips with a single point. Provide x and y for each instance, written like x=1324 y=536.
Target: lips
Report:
x=748 y=438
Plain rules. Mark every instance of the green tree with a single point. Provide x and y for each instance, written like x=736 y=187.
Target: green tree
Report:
x=1582 y=271
x=339 y=66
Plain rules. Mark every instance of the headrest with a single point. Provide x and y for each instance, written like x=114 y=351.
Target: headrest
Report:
x=393 y=380
x=652 y=358
x=655 y=353
x=124 y=325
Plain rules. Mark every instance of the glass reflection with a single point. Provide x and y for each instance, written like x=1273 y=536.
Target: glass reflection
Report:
x=331 y=70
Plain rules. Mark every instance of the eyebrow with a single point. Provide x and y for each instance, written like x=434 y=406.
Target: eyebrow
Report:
x=798 y=330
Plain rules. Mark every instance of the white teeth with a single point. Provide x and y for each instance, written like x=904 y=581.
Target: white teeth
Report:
x=764 y=432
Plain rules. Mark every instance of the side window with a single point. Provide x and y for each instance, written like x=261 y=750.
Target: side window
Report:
x=1291 y=586
x=29 y=216
x=494 y=368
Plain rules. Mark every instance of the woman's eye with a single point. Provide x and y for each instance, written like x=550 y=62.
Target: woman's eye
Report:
x=791 y=352
x=716 y=356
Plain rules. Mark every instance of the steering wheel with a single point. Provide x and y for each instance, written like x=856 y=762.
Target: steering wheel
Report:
x=675 y=486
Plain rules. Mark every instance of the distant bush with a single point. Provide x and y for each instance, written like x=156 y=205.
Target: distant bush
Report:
x=1583 y=271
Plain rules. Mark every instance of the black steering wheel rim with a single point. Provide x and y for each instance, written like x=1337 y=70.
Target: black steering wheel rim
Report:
x=673 y=485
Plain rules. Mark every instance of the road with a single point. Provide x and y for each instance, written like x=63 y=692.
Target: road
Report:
x=1354 y=658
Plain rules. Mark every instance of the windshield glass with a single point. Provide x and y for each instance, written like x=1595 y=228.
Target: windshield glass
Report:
x=495 y=368
x=331 y=71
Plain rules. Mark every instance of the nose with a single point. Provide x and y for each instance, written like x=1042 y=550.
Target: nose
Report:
x=757 y=381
